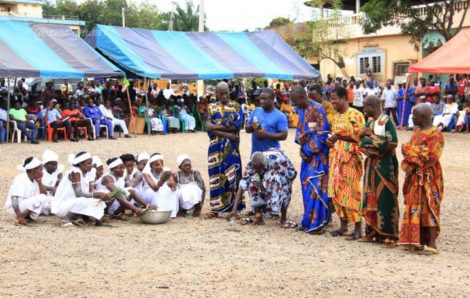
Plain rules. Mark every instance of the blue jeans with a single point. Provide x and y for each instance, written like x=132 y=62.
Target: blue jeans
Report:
x=23 y=126
x=98 y=122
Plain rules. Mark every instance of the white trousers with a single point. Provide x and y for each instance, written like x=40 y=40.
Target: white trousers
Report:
x=122 y=124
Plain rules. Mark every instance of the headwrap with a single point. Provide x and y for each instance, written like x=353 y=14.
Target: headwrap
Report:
x=143 y=156
x=181 y=158
x=75 y=160
x=49 y=156
x=147 y=169
x=97 y=161
x=115 y=163
x=34 y=163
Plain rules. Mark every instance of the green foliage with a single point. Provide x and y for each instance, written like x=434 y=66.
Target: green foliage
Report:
x=414 y=21
x=279 y=21
x=109 y=12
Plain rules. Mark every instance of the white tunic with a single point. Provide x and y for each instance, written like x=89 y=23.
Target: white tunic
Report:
x=190 y=194
x=29 y=195
x=66 y=201
x=164 y=198
x=119 y=183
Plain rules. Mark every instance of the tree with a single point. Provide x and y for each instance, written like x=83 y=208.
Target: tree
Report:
x=185 y=18
x=416 y=20
x=279 y=21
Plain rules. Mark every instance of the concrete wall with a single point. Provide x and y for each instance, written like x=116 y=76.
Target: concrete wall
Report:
x=395 y=49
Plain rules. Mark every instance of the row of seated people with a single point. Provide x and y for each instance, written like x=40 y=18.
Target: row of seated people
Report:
x=82 y=117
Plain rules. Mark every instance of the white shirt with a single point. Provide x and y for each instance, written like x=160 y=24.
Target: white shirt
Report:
x=3 y=115
x=390 y=97
x=371 y=91
x=358 y=96
x=168 y=93
x=106 y=112
x=22 y=187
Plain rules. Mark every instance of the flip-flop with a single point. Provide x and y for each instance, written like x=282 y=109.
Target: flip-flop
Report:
x=67 y=225
x=290 y=225
x=354 y=236
x=428 y=250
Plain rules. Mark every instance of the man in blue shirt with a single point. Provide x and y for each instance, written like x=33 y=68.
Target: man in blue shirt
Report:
x=53 y=118
x=267 y=124
x=93 y=112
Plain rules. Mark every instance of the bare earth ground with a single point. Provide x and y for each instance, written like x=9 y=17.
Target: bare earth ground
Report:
x=209 y=258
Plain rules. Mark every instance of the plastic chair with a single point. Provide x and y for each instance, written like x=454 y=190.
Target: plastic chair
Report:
x=50 y=132
x=101 y=127
x=17 y=132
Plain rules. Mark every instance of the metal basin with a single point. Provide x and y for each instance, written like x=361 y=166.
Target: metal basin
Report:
x=154 y=217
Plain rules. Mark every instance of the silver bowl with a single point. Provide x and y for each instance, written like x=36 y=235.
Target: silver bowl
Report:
x=154 y=217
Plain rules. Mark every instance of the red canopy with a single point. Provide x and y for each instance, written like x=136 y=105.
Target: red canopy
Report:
x=452 y=57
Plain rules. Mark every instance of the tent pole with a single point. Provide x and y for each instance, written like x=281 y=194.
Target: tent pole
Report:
x=149 y=126
x=8 y=111
x=130 y=109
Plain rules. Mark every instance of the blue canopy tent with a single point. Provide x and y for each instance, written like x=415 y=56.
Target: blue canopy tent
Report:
x=49 y=51
x=200 y=55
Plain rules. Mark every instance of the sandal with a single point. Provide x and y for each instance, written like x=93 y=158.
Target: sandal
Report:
x=366 y=239
x=354 y=236
x=428 y=250
x=337 y=233
x=78 y=222
x=245 y=221
x=290 y=225
x=67 y=225
x=210 y=215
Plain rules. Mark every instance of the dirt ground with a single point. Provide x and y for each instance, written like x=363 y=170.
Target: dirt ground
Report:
x=213 y=258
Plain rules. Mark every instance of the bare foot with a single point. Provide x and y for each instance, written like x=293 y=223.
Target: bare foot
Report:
x=259 y=221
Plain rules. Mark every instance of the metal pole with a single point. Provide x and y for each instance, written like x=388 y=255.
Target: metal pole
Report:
x=8 y=111
x=200 y=83
x=123 y=16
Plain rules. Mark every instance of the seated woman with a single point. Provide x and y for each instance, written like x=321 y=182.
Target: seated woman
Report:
x=202 y=108
x=114 y=184
x=160 y=185
x=463 y=120
x=189 y=121
x=155 y=122
x=166 y=113
x=288 y=110
x=190 y=185
x=27 y=195
x=451 y=108
x=52 y=174
x=75 y=194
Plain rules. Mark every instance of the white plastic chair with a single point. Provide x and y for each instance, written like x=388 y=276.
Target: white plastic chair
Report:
x=101 y=127
x=17 y=132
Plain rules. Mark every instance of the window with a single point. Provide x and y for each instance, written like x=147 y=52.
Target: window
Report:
x=372 y=57
x=400 y=69
x=363 y=62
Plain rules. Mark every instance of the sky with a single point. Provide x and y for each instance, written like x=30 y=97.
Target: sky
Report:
x=238 y=15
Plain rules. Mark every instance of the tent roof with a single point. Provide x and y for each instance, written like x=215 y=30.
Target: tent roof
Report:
x=450 y=58
x=200 y=55
x=50 y=51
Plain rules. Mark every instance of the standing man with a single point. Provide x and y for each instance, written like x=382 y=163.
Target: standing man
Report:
x=359 y=93
x=311 y=135
x=424 y=185
x=389 y=97
x=267 y=124
x=315 y=93
x=380 y=201
x=224 y=163
x=344 y=185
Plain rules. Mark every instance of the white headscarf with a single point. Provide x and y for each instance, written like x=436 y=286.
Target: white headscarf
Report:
x=115 y=163
x=96 y=161
x=34 y=163
x=181 y=158
x=75 y=160
x=143 y=156
x=49 y=156
x=153 y=158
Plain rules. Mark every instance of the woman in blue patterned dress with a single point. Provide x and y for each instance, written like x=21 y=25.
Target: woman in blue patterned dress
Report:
x=224 y=163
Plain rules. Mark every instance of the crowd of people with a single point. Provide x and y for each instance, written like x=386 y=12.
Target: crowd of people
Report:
x=333 y=137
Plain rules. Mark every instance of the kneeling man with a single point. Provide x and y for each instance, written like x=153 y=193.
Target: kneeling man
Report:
x=268 y=179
